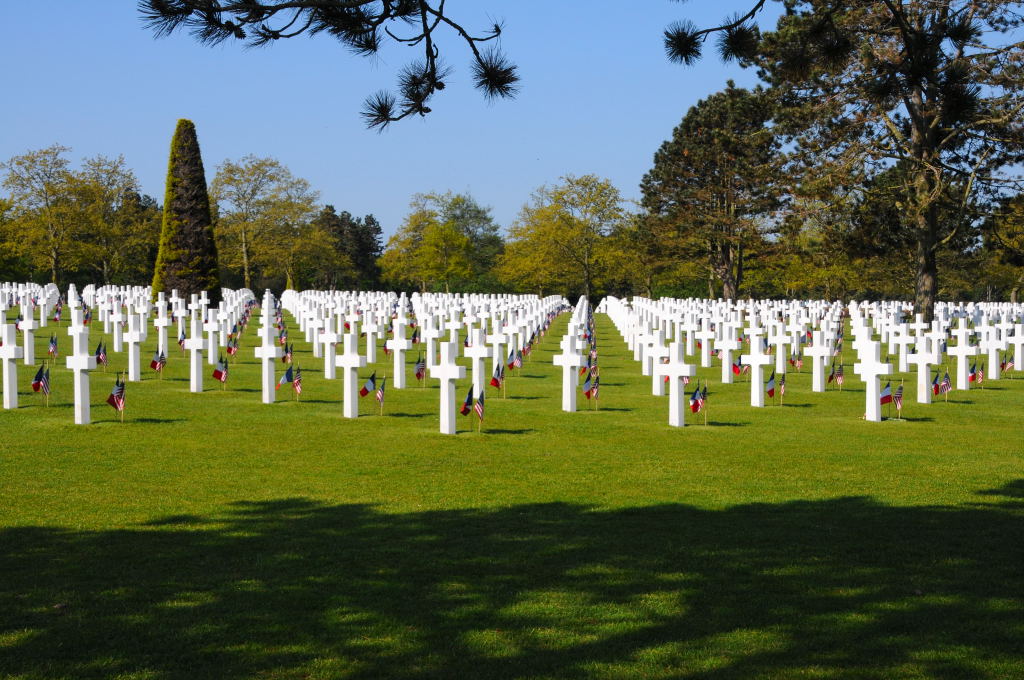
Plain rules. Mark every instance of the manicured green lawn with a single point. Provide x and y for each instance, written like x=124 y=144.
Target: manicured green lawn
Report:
x=211 y=536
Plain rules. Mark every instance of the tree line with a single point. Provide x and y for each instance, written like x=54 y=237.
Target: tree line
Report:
x=92 y=224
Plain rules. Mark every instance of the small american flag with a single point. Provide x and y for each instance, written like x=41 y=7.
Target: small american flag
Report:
x=945 y=385
x=420 y=369
x=839 y=375
x=297 y=381
x=116 y=398
x=479 y=407
x=380 y=391
x=52 y=351
x=897 y=398
x=782 y=385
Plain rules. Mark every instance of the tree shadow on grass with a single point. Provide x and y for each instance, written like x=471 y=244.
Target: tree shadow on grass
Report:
x=1014 y=489
x=295 y=588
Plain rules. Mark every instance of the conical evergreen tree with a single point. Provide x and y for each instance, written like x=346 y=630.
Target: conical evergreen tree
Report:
x=187 y=259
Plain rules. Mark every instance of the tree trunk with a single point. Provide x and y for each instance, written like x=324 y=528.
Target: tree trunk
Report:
x=245 y=260
x=927 y=279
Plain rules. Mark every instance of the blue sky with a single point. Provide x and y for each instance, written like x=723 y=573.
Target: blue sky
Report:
x=597 y=96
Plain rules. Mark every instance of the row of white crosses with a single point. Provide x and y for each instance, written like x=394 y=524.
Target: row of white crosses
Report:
x=513 y=319
x=646 y=325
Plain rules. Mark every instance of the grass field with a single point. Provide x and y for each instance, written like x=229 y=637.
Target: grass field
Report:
x=212 y=536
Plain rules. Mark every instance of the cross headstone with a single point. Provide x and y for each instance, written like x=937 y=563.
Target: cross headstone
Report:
x=675 y=370
x=924 y=360
x=478 y=352
x=497 y=339
x=757 y=360
x=116 y=321
x=448 y=371
x=134 y=337
x=211 y=326
x=28 y=326
x=161 y=323
x=194 y=344
x=963 y=350
x=9 y=354
x=993 y=345
x=705 y=335
x=399 y=345
x=870 y=369
x=350 y=361
x=80 y=361
x=655 y=352
x=328 y=340
x=820 y=349
x=726 y=346
x=570 y=360
x=268 y=351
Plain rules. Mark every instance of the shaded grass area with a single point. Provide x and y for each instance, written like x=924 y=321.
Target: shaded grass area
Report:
x=298 y=588
x=212 y=536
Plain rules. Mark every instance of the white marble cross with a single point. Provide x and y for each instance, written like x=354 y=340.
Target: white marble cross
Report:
x=478 y=352
x=80 y=361
x=211 y=326
x=924 y=360
x=1017 y=342
x=820 y=349
x=430 y=335
x=399 y=345
x=656 y=350
x=963 y=350
x=328 y=339
x=448 y=371
x=9 y=355
x=371 y=328
x=350 y=362
x=778 y=339
x=757 y=360
x=161 y=323
x=116 y=319
x=194 y=344
x=268 y=352
x=134 y=337
x=675 y=370
x=497 y=339
x=570 y=360
x=28 y=326
x=993 y=345
x=870 y=369
x=705 y=335
x=726 y=346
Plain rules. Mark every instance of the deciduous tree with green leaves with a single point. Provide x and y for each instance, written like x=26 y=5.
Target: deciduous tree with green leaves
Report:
x=251 y=195
x=561 y=240
x=42 y=220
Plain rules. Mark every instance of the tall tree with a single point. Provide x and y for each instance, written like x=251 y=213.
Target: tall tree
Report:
x=934 y=85
x=42 y=215
x=427 y=251
x=363 y=26
x=360 y=241
x=561 y=239
x=119 y=228
x=715 y=183
x=187 y=258
x=249 y=195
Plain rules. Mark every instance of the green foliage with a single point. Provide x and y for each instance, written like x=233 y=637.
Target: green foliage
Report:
x=358 y=240
x=187 y=258
x=561 y=241
x=712 y=191
x=263 y=223
x=448 y=242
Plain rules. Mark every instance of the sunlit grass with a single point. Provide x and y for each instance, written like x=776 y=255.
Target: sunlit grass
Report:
x=212 y=536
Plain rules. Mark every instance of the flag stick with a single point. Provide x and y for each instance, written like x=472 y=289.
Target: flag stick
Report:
x=705 y=406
